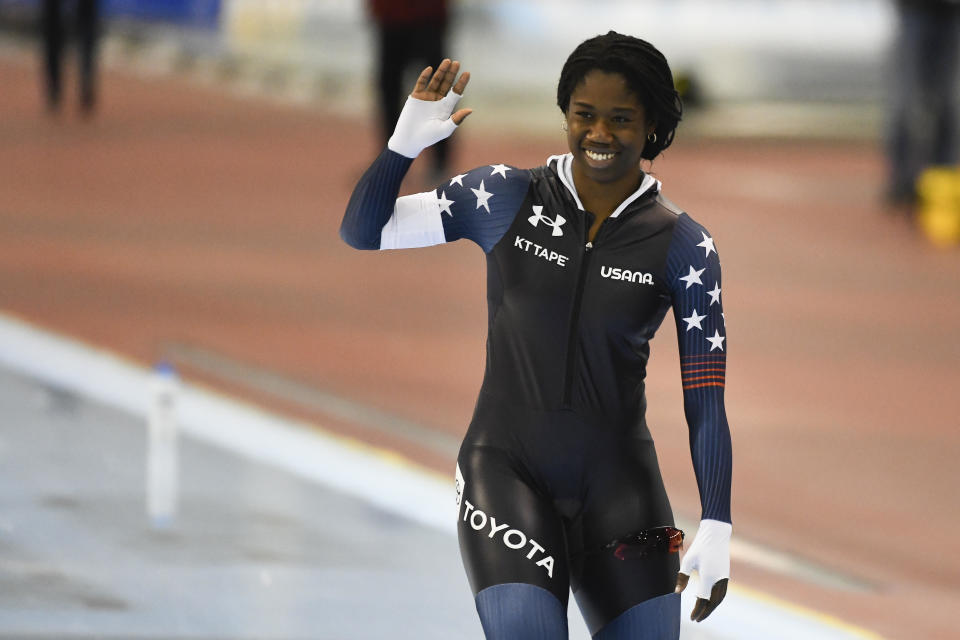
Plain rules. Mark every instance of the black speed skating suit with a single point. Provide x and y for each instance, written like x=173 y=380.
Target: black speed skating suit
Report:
x=558 y=460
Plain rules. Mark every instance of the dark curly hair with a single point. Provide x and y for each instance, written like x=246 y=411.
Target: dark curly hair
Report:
x=647 y=74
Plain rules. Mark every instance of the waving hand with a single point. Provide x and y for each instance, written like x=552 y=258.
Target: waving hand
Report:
x=428 y=115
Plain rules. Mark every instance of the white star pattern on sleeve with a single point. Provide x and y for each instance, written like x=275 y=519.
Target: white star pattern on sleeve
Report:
x=715 y=294
x=445 y=204
x=707 y=244
x=482 y=196
x=457 y=180
x=691 y=278
x=716 y=342
x=694 y=321
x=499 y=168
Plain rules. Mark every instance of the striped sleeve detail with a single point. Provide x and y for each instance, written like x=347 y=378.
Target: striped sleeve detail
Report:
x=703 y=371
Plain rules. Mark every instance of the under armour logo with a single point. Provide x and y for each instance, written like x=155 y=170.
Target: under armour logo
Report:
x=539 y=217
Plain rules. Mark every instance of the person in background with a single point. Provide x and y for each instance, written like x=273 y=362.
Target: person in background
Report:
x=54 y=36
x=410 y=35
x=923 y=97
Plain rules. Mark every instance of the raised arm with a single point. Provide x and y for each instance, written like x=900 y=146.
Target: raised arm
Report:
x=427 y=117
x=693 y=270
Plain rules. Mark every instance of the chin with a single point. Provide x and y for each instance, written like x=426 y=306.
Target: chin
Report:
x=613 y=173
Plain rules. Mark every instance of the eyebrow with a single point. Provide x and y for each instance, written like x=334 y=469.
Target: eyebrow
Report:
x=590 y=106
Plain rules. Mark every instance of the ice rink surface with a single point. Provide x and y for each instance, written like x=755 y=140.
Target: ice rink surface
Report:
x=254 y=552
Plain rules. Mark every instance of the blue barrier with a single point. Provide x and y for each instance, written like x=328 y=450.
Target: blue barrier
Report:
x=190 y=13
x=194 y=13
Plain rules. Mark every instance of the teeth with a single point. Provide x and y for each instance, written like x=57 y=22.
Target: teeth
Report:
x=593 y=155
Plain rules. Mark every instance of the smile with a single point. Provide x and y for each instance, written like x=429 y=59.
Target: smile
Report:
x=599 y=157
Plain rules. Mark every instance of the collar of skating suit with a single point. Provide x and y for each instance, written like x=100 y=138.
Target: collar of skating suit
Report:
x=564 y=169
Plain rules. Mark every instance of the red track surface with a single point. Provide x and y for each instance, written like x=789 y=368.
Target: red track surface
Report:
x=182 y=216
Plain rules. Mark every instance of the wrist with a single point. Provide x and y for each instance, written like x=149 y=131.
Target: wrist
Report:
x=715 y=530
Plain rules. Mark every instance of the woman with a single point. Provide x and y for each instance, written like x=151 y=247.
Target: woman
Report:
x=558 y=484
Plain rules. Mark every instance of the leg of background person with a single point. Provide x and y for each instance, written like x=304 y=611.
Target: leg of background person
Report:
x=945 y=86
x=87 y=23
x=391 y=64
x=906 y=126
x=519 y=610
x=654 y=619
x=52 y=50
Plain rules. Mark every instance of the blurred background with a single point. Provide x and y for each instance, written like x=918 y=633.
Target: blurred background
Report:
x=172 y=194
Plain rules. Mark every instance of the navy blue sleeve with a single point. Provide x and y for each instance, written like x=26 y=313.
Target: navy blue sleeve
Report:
x=371 y=203
x=693 y=274
x=479 y=205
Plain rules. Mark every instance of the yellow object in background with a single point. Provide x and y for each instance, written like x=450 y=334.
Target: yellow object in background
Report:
x=938 y=189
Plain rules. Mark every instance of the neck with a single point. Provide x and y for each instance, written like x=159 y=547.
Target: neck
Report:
x=603 y=198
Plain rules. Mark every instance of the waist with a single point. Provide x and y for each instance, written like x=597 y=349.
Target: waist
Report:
x=515 y=411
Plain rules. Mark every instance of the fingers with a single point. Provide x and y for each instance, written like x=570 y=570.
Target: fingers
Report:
x=449 y=76
x=704 y=607
x=461 y=83
x=700 y=610
x=439 y=78
x=434 y=85
x=422 y=81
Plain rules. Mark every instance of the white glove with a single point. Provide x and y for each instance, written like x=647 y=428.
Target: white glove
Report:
x=423 y=123
x=709 y=555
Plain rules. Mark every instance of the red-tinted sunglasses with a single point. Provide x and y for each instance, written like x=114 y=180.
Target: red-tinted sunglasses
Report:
x=637 y=545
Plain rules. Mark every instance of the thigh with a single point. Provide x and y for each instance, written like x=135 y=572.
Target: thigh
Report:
x=508 y=533
x=654 y=619
x=608 y=586
x=626 y=496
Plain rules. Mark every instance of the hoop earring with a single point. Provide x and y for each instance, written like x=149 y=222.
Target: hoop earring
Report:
x=652 y=137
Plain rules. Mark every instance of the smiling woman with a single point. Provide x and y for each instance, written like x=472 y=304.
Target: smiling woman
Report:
x=618 y=98
x=557 y=479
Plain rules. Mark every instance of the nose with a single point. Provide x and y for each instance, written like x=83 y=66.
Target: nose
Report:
x=599 y=132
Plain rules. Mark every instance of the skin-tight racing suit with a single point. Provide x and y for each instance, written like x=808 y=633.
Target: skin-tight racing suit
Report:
x=558 y=461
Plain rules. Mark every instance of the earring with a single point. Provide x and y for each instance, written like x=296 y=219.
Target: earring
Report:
x=652 y=137
x=563 y=125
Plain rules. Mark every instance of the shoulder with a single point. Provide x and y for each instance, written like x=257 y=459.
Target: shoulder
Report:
x=668 y=205
x=491 y=174
x=687 y=232
x=482 y=203
x=495 y=183
x=551 y=169
x=692 y=247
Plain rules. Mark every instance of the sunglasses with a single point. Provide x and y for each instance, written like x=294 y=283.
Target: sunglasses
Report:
x=638 y=545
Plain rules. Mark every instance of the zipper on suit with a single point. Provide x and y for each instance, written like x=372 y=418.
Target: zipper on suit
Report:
x=572 y=339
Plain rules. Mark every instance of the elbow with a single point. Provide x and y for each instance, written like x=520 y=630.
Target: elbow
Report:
x=358 y=240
